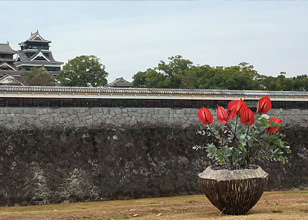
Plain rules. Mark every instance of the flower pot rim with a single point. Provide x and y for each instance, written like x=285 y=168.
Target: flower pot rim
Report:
x=227 y=175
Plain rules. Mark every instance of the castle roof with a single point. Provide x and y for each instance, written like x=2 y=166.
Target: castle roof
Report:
x=9 y=80
x=11 y=72
x=6 y=49
x=35 y=37
x=24 y=59
x=120 y=82
x=8 y=66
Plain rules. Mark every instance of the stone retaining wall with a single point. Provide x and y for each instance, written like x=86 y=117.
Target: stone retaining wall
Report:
x=20 y=118
x=68 y=154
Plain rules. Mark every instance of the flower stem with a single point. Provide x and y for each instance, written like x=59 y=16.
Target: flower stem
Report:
x=248 y=149
x=213 y=134
x=231 y=162
x=262 y=132
x=222 y=138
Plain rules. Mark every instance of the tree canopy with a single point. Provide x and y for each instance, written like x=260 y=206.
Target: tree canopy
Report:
x=181 y=73
x=38 y=77
x=83 y=71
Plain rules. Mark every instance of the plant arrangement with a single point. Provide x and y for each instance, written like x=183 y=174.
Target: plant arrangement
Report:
x=244 y=137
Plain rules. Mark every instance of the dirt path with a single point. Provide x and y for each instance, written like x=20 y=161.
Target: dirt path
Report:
x=272 y=205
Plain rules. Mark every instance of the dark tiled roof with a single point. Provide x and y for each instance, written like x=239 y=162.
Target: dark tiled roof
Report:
x=120 y=82
x=10 y=80
x=8 y=65
x=6 y=49
x=6 y=60
x=38 y=62
x=49 y=57
x=36 y=37
x=27 y=60
x=11 y=72
x=21 y=55
x=151 y=91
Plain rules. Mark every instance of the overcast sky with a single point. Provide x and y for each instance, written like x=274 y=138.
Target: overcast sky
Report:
x=131 y=36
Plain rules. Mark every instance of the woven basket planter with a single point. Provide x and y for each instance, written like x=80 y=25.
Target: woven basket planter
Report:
x=233 y=192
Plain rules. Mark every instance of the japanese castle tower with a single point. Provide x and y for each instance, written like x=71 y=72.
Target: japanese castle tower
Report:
x=35 y=52
x=6 y=58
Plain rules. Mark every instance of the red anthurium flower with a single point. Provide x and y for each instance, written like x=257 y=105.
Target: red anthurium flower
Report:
x=276 y=128
x=205 y=116
x=232 y=108
x=235 y=107
x=241 y=107
x=247 y=117
x=264 y=105
x=222 y=115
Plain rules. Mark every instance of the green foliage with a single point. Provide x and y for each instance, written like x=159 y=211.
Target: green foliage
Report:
x=181 y=73
x=164 y=75
x=83 y=71
x=38 y=77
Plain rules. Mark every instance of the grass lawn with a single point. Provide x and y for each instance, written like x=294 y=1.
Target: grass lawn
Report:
x=272 y=205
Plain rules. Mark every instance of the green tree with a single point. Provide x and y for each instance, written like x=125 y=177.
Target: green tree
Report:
x=239 y=77
x=150 y=79
x=175 y=70
x=139 y=79
x=181 y=73
x=38 y=77
x=83 y=71
x=300 y=83
x=269 y=83
x=165 y=75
